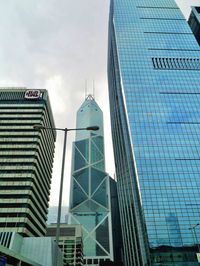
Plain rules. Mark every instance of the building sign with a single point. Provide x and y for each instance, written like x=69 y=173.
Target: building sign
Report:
x=32 y=94
x=198 y=257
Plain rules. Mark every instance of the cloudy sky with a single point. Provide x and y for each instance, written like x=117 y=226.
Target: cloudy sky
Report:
x=57 y=45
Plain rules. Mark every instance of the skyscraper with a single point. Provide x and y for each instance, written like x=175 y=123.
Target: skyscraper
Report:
x=90 y=202
x=153 y=73
x=26 y=158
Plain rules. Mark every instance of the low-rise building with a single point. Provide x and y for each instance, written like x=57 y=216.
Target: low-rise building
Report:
x=70 y=243
x=28 y=251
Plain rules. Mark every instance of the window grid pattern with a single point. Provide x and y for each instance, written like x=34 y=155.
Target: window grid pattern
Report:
x=162 y=110
x=26 y=159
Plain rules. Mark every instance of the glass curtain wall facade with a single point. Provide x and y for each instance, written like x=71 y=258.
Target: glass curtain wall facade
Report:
x=26 y=159
x=153 y=73
x=90 y=203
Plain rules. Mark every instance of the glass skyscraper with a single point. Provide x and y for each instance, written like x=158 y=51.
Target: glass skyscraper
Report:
x=90 y=201
x=154 y=90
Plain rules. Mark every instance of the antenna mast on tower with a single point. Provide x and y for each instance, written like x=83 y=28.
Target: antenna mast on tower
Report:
x=85 y=88
x=93 y=88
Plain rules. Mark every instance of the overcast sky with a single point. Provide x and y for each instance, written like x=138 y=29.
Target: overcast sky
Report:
x=57 y=45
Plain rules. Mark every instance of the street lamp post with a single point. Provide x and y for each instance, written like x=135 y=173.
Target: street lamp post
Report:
x=193 y=229
x=40 y=127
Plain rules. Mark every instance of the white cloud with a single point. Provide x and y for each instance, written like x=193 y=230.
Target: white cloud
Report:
x=55 y=86
x=185 y=5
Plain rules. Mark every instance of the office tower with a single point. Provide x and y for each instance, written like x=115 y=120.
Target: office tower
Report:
x=153 y=72
x=70 y=242
x=194 y=22
x=90 y=203
x=26 y=158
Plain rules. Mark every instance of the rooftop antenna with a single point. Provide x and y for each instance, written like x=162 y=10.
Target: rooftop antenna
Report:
x=85 y=88
x=93 y=88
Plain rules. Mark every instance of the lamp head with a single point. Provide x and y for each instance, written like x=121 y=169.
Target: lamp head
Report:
x=94 y=128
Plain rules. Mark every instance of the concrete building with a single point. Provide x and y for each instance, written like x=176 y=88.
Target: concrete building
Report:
x=26 y=158
x=153 y=74
x=70 y=243
x=90 y=200
x=194 y=22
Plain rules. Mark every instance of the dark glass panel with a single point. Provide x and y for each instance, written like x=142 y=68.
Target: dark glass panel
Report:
x=82 y=178
x=102 y=236
x=83 y=147
x=100 y=195
x=78 y=195
x=96 y=178
x=99 y=143
x=79 y=161
x=96 y=155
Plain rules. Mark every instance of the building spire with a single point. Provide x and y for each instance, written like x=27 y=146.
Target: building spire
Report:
x=94 y=88
x=85 y=88
x=90 y=96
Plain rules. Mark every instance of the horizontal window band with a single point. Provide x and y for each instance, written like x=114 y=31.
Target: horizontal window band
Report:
x=20 y=215
x=23 y=146
x=20 y=179
x=187 y=159
x=188 y=69
x=23 y=171
x=20 y=187
x=185 y=123
x=192 y=204
x=174 y=33
x=21 y=225
x=159 y=7
x=19 y=126
x=165 y=49
x=19 y=156
x=24 y=194
x=187 y=93
x=41 y=190
x=164 y=18
x=22 y=109
x=24 y=205
x=13 y=214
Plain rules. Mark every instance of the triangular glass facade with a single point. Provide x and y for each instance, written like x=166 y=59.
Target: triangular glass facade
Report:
x=90 y=191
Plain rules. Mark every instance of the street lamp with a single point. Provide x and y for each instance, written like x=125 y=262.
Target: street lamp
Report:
x=40 y=127
x=193 y=229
